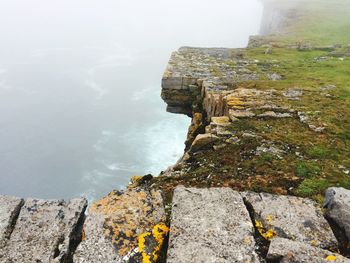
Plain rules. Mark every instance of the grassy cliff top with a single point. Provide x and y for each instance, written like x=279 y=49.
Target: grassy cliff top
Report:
x=287 y=97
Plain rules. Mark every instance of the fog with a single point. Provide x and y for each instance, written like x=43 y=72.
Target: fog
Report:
x=80 y=107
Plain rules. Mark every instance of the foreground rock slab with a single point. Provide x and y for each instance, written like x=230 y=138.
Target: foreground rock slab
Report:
x=337 y=202
x=116 y=222
x=290 y=217
x=210 y=225
x=288 y=251
x=46 y=231
x=10 y=207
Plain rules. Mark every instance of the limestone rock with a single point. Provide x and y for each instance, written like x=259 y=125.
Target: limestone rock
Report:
x=241 y=114
x=116 y=222
x=10 y=207
x=202 y=141
x=288 y=251
x=274 y=77
x=194 y=129
x=210 y=225
x=293 y=93
x=272 y=114
x=46 y=231
x=221 y=121
x=290 y=217
x=337 y=202
x=95 y=246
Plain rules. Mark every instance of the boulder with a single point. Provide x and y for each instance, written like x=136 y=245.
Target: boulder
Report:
x=210 y=225
x=337 y=204
x=288 y=251
x=290 y=217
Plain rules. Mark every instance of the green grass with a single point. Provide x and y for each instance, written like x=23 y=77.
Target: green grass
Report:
x=322 y=152
x=312 y=187
x=306 y=170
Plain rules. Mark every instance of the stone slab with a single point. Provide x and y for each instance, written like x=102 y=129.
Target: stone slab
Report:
x=96 y=246
x=45 y=232
x=10 y=207
x=210 y=225
x=115 y=222
x=291 y=217
x=287 y=251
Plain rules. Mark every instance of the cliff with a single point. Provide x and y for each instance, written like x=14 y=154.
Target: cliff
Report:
x=267 y=150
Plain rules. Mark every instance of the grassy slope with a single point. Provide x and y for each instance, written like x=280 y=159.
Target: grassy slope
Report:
x=321 y=23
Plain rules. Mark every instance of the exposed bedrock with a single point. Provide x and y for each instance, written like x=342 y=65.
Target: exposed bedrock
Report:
x=210 y=225
x=288 y=251
x=45 y=230
x=223 y=225
x=206 y=225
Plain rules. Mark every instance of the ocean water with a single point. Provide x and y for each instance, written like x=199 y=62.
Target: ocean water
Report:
x=80 y=106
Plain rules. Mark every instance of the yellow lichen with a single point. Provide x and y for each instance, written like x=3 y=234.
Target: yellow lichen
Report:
x=134 y=181
x=235 y=102
x=269 y=218
x=83 y=236
x=158 y=234
x=142 y=245
x=314 y=243
x=331 y=258
x=221 y=120
x=268 y=235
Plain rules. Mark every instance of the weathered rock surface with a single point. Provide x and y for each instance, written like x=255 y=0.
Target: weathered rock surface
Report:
x=337 y=202
x=10 y=207
x=116 y=222
x=290 y=217
x=95 y=246
x=202 y=141
x=46 y=231
x=288 y=251
x=210 y=225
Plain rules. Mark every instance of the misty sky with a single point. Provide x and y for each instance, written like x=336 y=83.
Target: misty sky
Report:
x=80 y=107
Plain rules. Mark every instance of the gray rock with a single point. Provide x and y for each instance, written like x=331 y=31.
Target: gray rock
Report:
x=290 y=217
x=210 y=225
x=270 y=149
x=337 y=202
x=288 y=251
x=274 y=77
x=272 y=114
x=96 y=247
x=46 y=231
x=293 y=93
x=10 y=207
x=328 y=87
x=240 y=114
